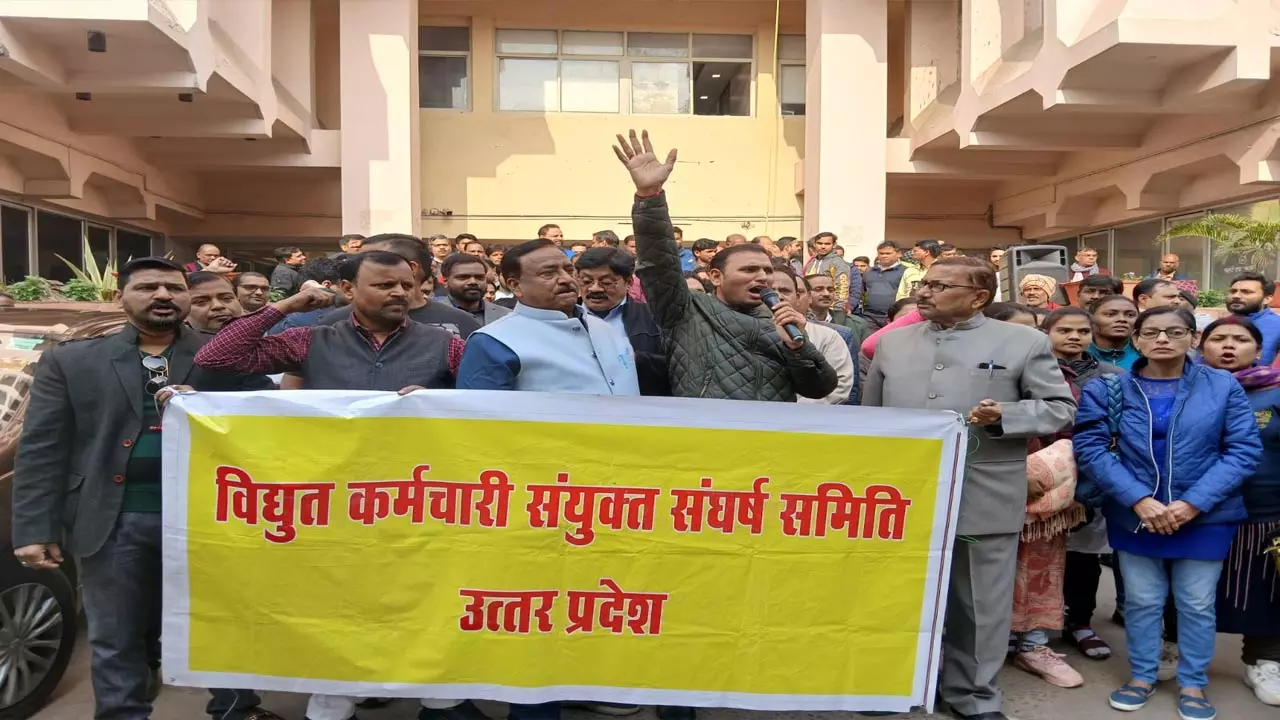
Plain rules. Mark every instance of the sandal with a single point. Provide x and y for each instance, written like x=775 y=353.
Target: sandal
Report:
x=1091 y=646
x=1130 y=697
x=1191 y=707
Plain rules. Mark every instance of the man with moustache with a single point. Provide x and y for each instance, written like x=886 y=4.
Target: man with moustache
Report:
x=467 y=279
x=87 y=479
x=1250 y=297
x=604 y=274
x=213 y=302
x=253 y=290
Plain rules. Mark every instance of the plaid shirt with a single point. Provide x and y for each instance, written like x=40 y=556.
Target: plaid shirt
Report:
x=242 y=346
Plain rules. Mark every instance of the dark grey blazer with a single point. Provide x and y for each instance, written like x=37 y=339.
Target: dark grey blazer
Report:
x=85 y=412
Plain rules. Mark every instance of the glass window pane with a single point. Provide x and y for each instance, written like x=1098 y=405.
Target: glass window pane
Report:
x=660 y=88
x=791 y=85
x=657 y=45
x=1226 y=267
x=528 y=42
x=1100 y=241
x=589 y=86
x=444 y=39
x=1192 y=252
x=57 y=235
x=130 y=246
x=442 y=81
x=722 y=88
x=100 y=245
x=722 y=46
x=577 y=42
x=791 y=47
x=15 y=233
x=528 y=85
x=1137 y=251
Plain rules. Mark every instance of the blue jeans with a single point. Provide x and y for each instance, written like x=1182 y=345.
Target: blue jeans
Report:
x=1195 y=584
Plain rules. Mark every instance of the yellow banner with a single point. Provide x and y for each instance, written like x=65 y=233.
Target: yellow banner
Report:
x=529 y=547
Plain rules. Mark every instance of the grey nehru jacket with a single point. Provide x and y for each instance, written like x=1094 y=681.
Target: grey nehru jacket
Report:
x=924 y=366
x=341 y=359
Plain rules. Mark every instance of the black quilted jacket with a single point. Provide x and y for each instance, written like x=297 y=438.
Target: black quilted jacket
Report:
x=713 y=350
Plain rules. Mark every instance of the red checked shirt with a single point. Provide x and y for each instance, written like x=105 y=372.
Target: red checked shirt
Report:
x=243 y=347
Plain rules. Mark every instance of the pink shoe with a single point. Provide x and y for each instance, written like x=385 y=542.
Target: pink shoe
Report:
x=1050 y=666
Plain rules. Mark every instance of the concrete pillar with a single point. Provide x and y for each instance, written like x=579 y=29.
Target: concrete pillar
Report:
x=380 y=145
x=846 y=101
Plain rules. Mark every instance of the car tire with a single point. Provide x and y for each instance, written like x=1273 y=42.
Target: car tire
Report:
x=38 y=627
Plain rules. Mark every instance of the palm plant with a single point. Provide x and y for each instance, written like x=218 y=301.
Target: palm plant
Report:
x=1254 y=242
x=102 y=280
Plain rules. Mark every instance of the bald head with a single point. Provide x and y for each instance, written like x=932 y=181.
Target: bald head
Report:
x=207 y=253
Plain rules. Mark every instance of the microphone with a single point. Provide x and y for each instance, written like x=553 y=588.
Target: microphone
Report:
x=770 y=298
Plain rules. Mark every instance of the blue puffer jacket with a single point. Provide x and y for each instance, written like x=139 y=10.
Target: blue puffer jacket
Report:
x=1213 y=447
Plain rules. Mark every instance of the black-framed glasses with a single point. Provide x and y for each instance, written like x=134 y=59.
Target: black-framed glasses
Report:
x=936 y=287
x=158 y=367
x=1173 y=333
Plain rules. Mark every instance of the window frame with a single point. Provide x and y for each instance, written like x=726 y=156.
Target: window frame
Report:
x=625 y=63
x=790 y=62
x=452 y=53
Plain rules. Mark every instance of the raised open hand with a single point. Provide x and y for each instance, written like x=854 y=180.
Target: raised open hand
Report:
x=637 y=155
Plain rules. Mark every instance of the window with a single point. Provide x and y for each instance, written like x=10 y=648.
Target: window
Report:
x=15 y=236
x=791 y=74
x=131 y=246
x=99 y=244
x=1191 y=251
x=1226 y=267
x=593 y=71
x=1137 y=249
x=58 y=235
x=444 y=54
x=1100 y=241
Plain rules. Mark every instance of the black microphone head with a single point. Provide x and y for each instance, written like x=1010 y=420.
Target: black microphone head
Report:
x=769 y=297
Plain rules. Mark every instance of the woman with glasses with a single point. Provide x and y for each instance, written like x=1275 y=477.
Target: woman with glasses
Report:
x=1169 y=444
x=1248 y=595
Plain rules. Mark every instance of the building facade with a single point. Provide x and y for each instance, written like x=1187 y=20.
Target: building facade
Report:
x=161 y=124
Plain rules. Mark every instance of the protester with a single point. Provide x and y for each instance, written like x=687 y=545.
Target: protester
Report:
x=1037 y=291
x=1086 y=264
x=552 y=232
x=996 y=256
x=467 y=279
x=629 y=245
x=735 y=239
x=86 y=480
x=833 y=348
x=825 y=261
x=767 y=243
x=1171 y=468
x=1250 y=297
x=717 y=346
x=209 y=259
x=882 y=281
x=792 y=250
x=604 y=274
x=495 y=253
x=1247 y=591
x=1113 y=318
x=349 y=245
x=323 y=273
x=704 y=249
x=1005 y=380
x=285 y=278
x=441 y=247
x=1070 y=332
x=822 y=299
x=861 y=263
x=422 y=309
x=213 y=301
x=474 y=248
x=1168 y=269
x=1094 y=288
x=948 y=250
x=1153 y=292
x=253 y=290
x=925 y=253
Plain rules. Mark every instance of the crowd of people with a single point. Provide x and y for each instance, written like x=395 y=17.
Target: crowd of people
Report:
x=1118 y=430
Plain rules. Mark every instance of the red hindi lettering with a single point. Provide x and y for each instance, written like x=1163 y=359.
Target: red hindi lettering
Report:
x=891 y=521
x=722 y=510
x=370 y=500
x=282 y=509
x=505 y=611
x=237 y=495
x=880 y=514
x=628 y=507
x=618 y=611
x=454 y=502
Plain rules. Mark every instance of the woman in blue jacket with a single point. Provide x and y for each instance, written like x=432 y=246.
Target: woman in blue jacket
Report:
x=1171 y=475
x=1248 y=592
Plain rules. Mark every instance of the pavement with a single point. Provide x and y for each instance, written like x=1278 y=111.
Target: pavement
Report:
x=1026 y=697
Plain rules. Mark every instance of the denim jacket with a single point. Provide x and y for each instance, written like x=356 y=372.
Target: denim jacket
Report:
x=1213 y=447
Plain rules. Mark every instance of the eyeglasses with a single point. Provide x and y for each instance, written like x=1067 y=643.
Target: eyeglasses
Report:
x=936 y=287
x=1173 y=333
x=158 y=366
x=609 y=283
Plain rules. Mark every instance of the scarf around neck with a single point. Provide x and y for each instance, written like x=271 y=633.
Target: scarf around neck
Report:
x=1258 y=378
x=1079 y=367
x=1086 y=271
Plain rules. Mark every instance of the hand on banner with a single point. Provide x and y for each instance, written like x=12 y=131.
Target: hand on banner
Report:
x=409 y=389
x=783 y=315
x=986 y=413
x=42 y=556
x=167 y=392
x=637 y=155
x=305 y=301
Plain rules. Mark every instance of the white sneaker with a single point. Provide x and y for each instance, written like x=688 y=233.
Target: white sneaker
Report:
x=1264 y=678
x=1169 y=657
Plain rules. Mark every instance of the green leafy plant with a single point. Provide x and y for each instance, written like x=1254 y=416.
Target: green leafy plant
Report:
x=102 y=280
x=30 y=289
x=1212 y=298
x=1253 y=242
x=81 y=291
x=1130 y=276
x=276 y=295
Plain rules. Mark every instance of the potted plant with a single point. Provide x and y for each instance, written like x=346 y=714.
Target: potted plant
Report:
x=1239 y=241
x=90 y=283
